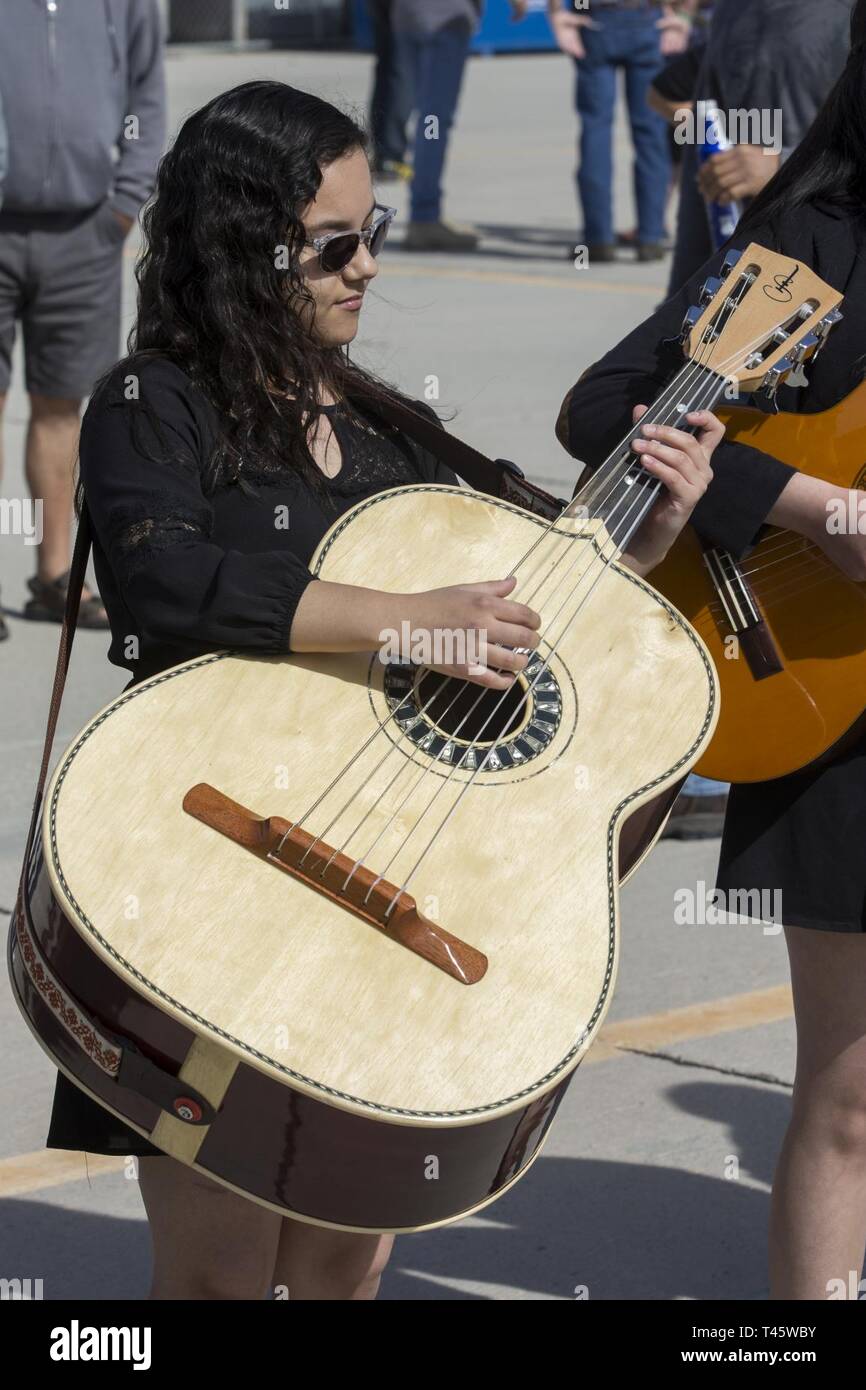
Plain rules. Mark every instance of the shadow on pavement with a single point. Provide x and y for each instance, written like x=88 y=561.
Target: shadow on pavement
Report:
x=624 y=1230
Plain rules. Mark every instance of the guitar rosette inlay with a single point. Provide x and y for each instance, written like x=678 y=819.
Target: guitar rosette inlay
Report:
x=459 y=724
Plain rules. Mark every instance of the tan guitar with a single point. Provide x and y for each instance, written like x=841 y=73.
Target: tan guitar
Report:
x=786 y=629
x=337 y=932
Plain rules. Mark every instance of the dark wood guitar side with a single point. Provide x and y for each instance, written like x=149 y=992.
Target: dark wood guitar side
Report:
x=375 y=1174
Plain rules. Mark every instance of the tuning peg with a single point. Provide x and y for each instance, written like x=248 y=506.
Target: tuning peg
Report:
x=710 y=289
x=729 y=262
x=825 y=327
x=776 y=375
x=691 y=319
x=811 y=340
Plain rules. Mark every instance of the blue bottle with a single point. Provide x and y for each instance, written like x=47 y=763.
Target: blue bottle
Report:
x=712 y=140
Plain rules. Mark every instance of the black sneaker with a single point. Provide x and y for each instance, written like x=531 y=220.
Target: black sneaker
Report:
x=652 y=251
x=601 y=253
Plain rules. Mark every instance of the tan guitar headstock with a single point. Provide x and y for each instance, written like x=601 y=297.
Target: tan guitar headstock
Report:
x=763 y=316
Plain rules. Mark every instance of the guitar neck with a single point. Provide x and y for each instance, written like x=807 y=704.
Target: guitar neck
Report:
x=620 y=492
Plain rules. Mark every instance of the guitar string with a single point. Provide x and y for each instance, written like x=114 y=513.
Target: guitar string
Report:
x=619 y=471
x=717 y=387
x=672 y=389
x=799 y=569
x=643 y=504
x=653 y=493
x=718 y=384
x=784 y=590
x=461 y=687
x=545 y=667
x=810 y=550
x=650 y=492
x=609 y=469
x=797 y=565
x=667 y=395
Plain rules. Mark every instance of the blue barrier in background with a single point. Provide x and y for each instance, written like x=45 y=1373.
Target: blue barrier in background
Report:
x=498 y=33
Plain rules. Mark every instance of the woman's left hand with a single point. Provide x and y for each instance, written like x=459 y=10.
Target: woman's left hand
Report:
x=681 y=462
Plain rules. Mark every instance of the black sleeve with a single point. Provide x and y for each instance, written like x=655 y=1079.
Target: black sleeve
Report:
x=141 y=463
x=679 y=80
x=597 y=414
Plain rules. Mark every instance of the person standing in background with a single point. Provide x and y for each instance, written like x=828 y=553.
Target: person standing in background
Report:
x=433 y=38
x=391 y=99
x=84 y=101
x=779 y=57
x=636 y=36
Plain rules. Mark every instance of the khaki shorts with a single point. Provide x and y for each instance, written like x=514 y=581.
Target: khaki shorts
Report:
x=60 y=277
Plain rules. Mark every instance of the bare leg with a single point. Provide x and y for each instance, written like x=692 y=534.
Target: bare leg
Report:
x=208 y=1243
x=315 y=1263
x=818 y=1217
x=52 y=442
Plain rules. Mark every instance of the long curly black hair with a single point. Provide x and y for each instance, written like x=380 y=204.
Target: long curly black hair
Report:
x=229 y=194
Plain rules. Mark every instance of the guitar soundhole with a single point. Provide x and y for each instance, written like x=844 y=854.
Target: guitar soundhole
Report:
x=495 y=736
x=469 y=712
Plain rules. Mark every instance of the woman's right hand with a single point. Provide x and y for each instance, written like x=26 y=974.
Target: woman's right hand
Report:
x=466 y=630
x=469 y=631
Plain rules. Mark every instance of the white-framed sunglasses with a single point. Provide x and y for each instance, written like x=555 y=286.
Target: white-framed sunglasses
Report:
x=336 y=249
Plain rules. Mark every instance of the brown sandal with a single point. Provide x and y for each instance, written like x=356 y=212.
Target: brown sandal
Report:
x=48 y=603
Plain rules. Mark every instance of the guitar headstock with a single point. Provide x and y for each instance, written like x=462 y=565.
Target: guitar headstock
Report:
x=765 y=315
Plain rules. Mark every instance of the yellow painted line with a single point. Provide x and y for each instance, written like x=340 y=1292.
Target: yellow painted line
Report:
x=54 y=1167
x=579 y=281
x=708 y=1020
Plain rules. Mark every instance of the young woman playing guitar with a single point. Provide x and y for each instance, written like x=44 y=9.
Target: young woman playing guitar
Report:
x=213 y=460
x=803 y=834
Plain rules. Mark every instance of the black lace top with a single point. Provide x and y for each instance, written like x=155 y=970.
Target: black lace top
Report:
x=181 y=572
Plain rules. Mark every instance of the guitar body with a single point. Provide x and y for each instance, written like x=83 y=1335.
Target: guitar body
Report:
x=354 y=1083
x=777 y=722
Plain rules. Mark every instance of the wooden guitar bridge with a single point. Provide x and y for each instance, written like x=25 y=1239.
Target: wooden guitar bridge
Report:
x=279 y=843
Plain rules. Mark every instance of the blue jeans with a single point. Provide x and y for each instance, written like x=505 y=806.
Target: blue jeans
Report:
x=437 y=63
x=391 y=100
x=625 y=39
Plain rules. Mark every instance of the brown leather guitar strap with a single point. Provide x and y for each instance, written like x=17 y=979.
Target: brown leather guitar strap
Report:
x=498 y=477
x=104 y=1052
x=114 y=1054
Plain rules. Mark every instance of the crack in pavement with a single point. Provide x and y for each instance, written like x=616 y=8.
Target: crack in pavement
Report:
x=708 y=1066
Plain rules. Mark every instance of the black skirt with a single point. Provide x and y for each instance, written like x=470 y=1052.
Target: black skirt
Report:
x=802 y=837
x=77 y=1122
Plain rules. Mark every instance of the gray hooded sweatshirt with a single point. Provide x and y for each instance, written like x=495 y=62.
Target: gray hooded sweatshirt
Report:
x=83 y=98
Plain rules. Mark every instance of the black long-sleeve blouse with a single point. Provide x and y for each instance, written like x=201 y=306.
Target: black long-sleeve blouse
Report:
x=183 y=569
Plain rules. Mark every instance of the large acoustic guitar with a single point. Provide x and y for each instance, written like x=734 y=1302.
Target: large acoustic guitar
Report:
x=786 y=628
x=335 y=931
